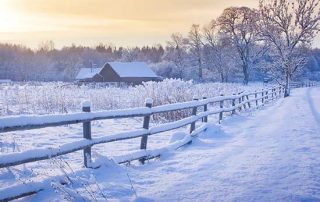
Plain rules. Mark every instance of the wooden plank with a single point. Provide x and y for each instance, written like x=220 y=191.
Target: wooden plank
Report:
x=205 y=108
x=233 y=105
x=221 y=113
x=194 y=113
x=249 y=105
x=87 y=135
x=146 y=123
x=74 y=121
x=244 y=104
x=240 y=99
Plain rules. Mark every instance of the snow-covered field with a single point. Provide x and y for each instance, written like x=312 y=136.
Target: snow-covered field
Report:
x=251 y=156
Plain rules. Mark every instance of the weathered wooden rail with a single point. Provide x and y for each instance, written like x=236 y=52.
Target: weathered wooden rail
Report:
x=238 y=102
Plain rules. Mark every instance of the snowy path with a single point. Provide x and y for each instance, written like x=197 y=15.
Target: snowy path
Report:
x=271 y=154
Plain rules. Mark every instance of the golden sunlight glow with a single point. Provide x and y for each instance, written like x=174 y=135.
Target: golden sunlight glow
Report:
x=121 y=22
x=9 y=19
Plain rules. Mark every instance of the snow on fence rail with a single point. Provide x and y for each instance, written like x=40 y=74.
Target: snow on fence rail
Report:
x=238 y=102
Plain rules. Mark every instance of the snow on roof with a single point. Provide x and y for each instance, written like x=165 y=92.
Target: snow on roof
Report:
x=132 y=69
x=86 y=73
x=123 y=69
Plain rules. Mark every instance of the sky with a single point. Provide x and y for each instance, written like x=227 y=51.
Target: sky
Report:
x=120 y=22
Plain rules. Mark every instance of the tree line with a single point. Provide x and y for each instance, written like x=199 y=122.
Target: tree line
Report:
x=242 y=44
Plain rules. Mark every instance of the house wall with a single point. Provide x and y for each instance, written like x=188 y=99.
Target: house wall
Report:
x=137 y=80
x=96 y=78
x=109 y=75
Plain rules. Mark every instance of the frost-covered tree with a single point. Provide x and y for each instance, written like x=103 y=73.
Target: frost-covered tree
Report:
x=176 y=52
x=196 y=45
x=289 y=26
x=46 y=46
x=239 y=24
x=218 y=51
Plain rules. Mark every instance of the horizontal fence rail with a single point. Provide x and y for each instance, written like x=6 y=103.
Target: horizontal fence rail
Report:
x=198 y=107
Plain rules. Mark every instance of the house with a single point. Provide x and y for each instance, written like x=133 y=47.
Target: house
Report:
x=118 y=72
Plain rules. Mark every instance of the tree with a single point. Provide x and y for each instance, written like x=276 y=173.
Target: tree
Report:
x=218 y=51
x=195 y=42
x=289 y=26
x=176 y=52
x=239 y=24
x=46 y=46
x=130 y=54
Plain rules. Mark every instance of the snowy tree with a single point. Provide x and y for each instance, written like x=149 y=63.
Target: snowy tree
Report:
x=239 y=24
x=289 y=26
x=196 y=45
x=46 y=46
x=218 y=51
x=176 y=52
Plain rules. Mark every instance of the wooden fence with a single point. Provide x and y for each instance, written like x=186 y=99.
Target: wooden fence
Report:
x=302 y=84
x=199 y=108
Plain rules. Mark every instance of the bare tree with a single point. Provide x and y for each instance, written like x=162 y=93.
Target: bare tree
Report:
x=176 y=52
x=46 y=46
x=195 y=41
x=218 y=51
x=130 y=54
x=289 y=26
x=239 y=23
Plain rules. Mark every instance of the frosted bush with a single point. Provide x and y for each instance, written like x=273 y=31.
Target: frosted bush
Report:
x=60 y=97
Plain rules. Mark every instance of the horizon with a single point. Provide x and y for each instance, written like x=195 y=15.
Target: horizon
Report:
x=88 y=23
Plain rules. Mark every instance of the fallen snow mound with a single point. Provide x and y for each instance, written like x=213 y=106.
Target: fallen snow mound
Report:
x=213 y=131
x=177 y=136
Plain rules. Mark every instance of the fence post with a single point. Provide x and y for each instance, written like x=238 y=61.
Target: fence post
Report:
x=267 y=97
x=240 y=102
x=194 y=113
x=244 y=104
x=205 y=108
x=86 y=107
x=249 y=105
x=256 y=96
x=221 y=113
x=233 y=104
x=146 y=123
x=280 y=91
x=262 y=96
